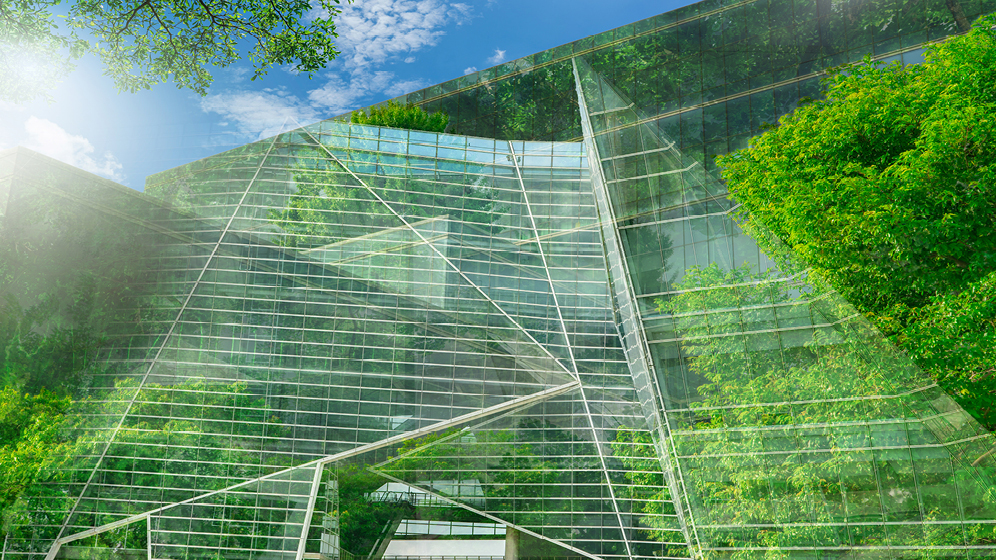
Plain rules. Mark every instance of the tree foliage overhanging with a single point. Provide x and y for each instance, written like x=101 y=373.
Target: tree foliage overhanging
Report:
x=145 y=42
x=887 y=189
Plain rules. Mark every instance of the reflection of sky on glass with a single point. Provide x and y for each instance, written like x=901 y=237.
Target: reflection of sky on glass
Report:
x=129 y=136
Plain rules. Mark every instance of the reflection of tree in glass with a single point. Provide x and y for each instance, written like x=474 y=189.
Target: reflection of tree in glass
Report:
x=36 y=354
x=885 y=188
x=200 y=436
x=785 y=428
x=647 y=490
x=363 y=519
x=711 y=57
x=329 y=205
x=33 y=447
x=528 y=475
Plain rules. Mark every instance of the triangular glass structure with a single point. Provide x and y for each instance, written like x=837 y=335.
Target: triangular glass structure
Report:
x=636 y=378
x=310 y=330
x=791 y=422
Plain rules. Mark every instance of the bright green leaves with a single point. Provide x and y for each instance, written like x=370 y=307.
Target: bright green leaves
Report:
x=955 y=338
x=886 y=188
x=31 y=444
x=145 y=42
x=179 y=38
x=31 y=56
x=396 y=115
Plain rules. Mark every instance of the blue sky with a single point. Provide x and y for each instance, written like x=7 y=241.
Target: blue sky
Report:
x=389 y=47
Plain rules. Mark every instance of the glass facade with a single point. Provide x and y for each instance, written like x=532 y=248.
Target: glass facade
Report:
x=547 y=318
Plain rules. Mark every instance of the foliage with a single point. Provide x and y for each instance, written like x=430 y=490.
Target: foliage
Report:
x=330 y=205
x=144 y=42
x=886 y=186
x=181 y=437
x=407 y=116
x=363 y=520
x=954 y=338
x=326 y=207
x=647 y=489
x=886 y=189
x=32 y=446
x=779 y=437
x=216 y=432
x=35 y=355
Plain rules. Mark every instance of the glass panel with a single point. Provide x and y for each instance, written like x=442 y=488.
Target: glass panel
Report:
x=263 y=519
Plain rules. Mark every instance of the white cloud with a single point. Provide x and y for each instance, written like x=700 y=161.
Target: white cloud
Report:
x=462 y=12
x=372 y=31
x=498 y=57
x=48 y=138
x=469 y=70
x=406 y=86
x=234 y=74
x=339 y=96
x=261 y=113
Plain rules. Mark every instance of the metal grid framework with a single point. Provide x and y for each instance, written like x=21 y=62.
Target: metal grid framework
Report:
x=354 y=288
x=573 y=322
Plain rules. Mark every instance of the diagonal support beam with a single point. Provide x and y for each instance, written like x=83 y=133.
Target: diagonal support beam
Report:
x=159 y=351
x=577 y=375
x=439 y=253
x=310 y=512
x=620 y=284
x=509 y=406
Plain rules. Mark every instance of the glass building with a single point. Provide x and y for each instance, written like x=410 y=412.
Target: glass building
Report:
x=547 y=319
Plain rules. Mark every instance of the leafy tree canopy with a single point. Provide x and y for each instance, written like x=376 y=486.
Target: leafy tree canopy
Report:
x=396 y=115
x=887 y=188
x=145 y=42
x=31 y=445
x=778 y=432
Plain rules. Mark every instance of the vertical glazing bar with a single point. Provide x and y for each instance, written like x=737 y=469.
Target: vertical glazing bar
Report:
x=631 y=329
x=570 y=351
x=148 y=536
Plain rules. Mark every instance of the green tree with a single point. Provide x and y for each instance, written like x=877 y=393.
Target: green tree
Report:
x=36 y=355
x=329 y=205
x=647 y=489
x=397 y=115
x=191 y=438
x=886 y=189
x=145 y=42
x=363 y=520
x=789 y=434
x=32 y=445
